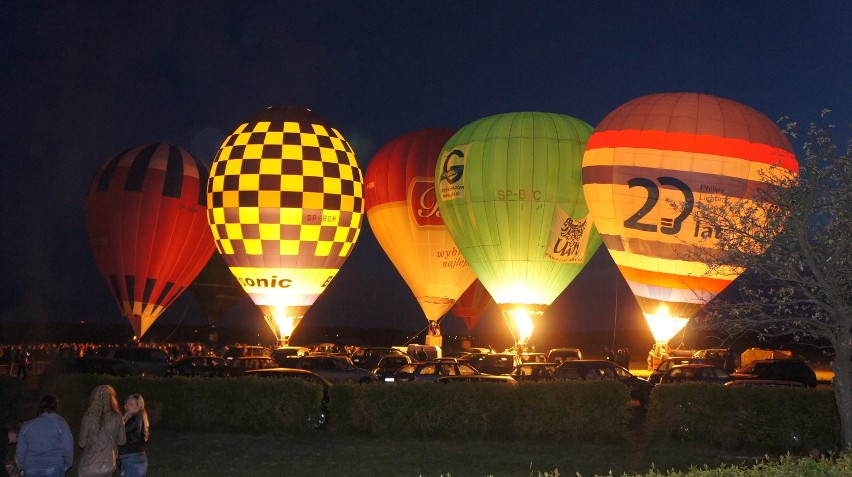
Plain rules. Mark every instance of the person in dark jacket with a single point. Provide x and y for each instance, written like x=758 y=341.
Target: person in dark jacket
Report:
x=134 y=461
x=45 y=444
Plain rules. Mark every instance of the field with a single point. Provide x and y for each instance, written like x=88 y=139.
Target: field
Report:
x=191 y=454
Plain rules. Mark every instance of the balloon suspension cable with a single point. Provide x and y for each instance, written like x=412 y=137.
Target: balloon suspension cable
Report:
x=425 y=328
x=615 y=313
x=182 y=316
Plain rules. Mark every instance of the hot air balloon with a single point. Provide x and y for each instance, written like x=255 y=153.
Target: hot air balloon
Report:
x=217 y=291
x=147 y=229
x=403 y=213
x=510 y=192
x=285 y=204
x=470 y=306
x=647 y=165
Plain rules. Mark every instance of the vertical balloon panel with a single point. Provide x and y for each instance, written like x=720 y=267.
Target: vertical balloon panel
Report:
x=285 y=204
x=146 y=228
x=510 y=191
x=472 y=304
x=403 y=213
x=647 y=166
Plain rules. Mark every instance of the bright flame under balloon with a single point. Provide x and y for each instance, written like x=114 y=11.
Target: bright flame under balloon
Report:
x=283 y=320
x=663 y=325
x=521 y=320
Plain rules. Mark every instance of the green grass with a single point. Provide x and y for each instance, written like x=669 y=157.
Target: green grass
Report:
x=202 y=454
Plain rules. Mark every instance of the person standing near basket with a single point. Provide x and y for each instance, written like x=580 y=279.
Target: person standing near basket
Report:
x=134 y=461
x=101 y=432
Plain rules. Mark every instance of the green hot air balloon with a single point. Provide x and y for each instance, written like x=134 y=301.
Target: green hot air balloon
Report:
x=511 y=195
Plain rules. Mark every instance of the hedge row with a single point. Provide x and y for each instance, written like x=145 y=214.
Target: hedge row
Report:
x=251 y=406
x=568 y=412
x=743 y=418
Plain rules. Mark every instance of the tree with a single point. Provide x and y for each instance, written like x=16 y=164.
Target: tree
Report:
x=795 y=240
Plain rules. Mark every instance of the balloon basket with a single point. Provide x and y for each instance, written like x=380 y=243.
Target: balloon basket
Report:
x=432 y=340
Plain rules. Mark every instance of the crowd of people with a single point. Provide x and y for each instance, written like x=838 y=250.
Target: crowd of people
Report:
x=17 y=359
x=107 y=437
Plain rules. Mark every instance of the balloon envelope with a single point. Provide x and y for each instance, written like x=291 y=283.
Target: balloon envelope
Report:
x=146 y=226
x=510 y=192
x=646 y=166
x=472 y=304
x=285 y=204
x=403 y=214
x=216 y=289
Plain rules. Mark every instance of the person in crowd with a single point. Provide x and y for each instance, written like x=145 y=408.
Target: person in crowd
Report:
x=22 y=360
x=8 y=436
x=45 y=444
x=101 y=432
x=134 y=461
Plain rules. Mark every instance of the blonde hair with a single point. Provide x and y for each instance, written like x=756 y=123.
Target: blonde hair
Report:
x=141 y=412
x=102 y=403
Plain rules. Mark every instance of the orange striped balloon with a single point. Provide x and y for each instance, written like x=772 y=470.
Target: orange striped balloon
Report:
x=675 y=148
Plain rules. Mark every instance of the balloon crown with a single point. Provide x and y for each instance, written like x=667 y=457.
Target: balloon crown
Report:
x=288 y=113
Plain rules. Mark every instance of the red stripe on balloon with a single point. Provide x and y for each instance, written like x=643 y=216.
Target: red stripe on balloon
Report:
x=672 y=280
x=694 y=143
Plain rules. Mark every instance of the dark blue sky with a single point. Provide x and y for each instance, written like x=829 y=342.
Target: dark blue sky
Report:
x=84 y=80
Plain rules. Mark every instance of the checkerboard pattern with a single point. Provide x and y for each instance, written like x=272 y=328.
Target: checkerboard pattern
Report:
x=288 y=188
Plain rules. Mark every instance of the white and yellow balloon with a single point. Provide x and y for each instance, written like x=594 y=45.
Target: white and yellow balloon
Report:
x=285 y=204
x=647 y=165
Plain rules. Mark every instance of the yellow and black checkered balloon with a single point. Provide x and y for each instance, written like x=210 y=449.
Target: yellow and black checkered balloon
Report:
x=285 y=203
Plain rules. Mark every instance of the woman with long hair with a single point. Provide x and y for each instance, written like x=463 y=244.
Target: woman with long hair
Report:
x=134 y=461
x=101 y=432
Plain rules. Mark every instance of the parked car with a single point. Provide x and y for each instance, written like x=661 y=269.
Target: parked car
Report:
x=244 y=363
x=533 y=357
x=368 y=358
x=478 y=350
x=336 y=369
x=149 y=361
x=321 y=418
x=778 y=370
x=558 y=355
x=239 y=351
x=424 y=353
x=478 y=378
x=720 y=357
x=104 y=365
x=696 y=372
x=280 y=355
x=432 y=370
x=204 y=366
x=534 y=372
x=388 y=365
x=329 y=348
x=593 y=369
x=667 y=364
x=499 y=363
x=473 y=359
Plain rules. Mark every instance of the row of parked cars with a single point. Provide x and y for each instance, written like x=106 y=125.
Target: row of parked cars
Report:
x=764 y=372
x=388 y=364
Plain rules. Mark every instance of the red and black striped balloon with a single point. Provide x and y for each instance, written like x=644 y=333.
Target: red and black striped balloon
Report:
x=147 y=225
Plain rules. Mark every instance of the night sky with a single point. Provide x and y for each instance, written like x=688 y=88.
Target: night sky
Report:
x=83 y=81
